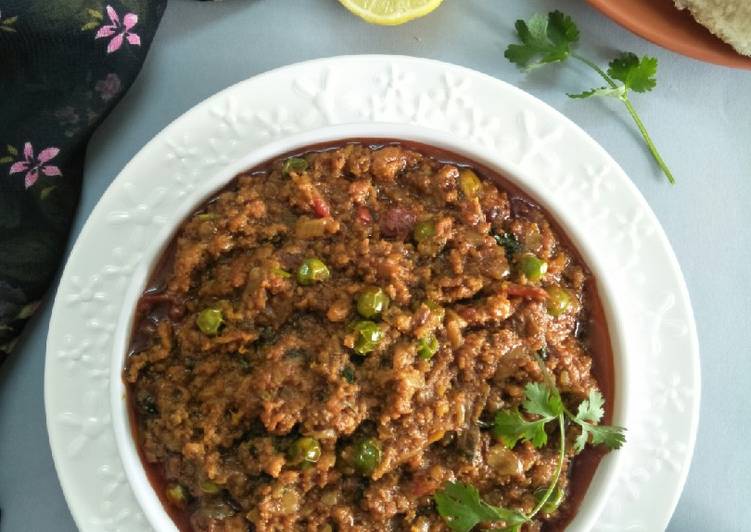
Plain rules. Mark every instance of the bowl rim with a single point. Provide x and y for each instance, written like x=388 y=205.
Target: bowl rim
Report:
x=605 y=474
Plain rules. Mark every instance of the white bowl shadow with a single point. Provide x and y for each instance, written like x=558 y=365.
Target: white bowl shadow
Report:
x=606 y=473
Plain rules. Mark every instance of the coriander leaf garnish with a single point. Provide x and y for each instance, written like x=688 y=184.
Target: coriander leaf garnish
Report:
x=611 y=437
x=510 y=427
x=589 y=413
x=591 y=410
x=545 y=40
x=542 y=400
x=635 y=73
x=510 y=243
x=460 y=505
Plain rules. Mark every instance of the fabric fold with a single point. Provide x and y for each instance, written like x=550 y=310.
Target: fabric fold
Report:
x=63 y=68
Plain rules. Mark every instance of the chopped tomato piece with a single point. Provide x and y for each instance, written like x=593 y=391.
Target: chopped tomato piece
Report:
x=363 y=214
x=321 y=208
x=525 y=291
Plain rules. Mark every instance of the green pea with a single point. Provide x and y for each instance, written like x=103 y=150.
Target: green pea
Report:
x=372 y=302
x=305 y=450
x=427 y=347
x=210 y=320
x=469 y=183
x=366 y=455
x=176 y=494
x=553 y=502
x=209 y=487
x=312 y=271
x=294 y=164
x=559 y=300
x=369 y=335
x=532 y=267
x=424 y=230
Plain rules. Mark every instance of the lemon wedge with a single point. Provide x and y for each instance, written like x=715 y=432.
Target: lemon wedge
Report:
x=390 y=12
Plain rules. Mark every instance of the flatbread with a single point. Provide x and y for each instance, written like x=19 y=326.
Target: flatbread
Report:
x=730 y=20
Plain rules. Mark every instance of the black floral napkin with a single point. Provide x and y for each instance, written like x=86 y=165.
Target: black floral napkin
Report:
x=64 y=64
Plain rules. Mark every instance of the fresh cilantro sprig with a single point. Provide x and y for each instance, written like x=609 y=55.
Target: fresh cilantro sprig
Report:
x=545 y=403
x=510 y=426
x=461 y=507
x=543 y=40
x=551 y=39
x=460 y=504
x=588 y=416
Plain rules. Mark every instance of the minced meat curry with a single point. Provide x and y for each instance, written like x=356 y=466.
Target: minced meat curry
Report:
x=327 y=340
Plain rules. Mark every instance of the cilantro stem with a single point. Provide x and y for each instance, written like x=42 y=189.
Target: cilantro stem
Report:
x=548 y=378
x=632 y=111
x=648 y=140
x=597 y=69
x=568 y=413
x=558 y=470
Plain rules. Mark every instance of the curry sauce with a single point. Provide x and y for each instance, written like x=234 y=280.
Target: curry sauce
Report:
x=325 y=342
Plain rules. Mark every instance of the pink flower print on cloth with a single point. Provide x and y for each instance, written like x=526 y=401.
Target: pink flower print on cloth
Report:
x=119 y=31
x=108 y=87
x=32 y=166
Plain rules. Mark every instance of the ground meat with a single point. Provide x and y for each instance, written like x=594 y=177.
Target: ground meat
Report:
x=223 y=402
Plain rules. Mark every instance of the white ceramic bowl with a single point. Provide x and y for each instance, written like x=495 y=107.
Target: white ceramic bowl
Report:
x=606 y=473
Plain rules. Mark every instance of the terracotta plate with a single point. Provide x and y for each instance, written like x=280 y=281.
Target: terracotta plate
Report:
x=664 y=24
